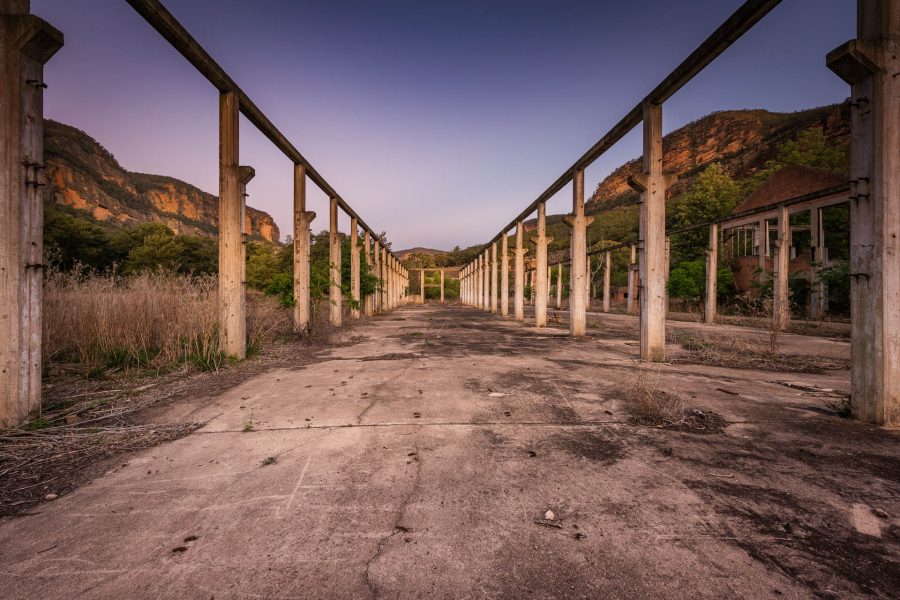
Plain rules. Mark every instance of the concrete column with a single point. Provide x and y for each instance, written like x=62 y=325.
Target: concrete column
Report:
x=630 y=304
x=334 y=265
x=607 y=273
x=587 y=286
x=529 y=283
x=652 y=184
x=781 y=311
x=817 y=295
x=378 y=298
x=519 y=299
x=578 y=223
x=26 y=44
x=559 y=280
x=302 y=221
x=486 y=288
x=354 y=268
x=494 y=277
x=422 y=284
x=763 y=249
x=232 y=310
x=666 y=271
x=369 y=302
x=504 y=275
x=712 y=274
x=540 y=254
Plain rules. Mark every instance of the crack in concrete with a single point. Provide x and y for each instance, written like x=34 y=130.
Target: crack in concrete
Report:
x=396 y=528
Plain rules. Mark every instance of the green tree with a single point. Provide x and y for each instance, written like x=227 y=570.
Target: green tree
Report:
x=714 y=194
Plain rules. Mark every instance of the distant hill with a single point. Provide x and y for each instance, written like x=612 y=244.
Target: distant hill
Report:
x=84 y=176
x=403 y=254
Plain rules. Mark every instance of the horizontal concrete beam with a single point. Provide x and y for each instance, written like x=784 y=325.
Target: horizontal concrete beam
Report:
x=744 y=18
x=159 y=17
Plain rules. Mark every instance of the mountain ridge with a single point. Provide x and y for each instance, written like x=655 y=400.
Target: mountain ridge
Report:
x=84 y=176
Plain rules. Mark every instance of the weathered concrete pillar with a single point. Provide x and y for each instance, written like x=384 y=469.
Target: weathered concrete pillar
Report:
x=588 y=283
x=504 y=275
x=666 y=271
x=519 y=300
x=652 y=184
x=712 y=275
x=369 y=303
x=540 y=255
x=26 y=43
x=302 y=221
x=334 y=265
x=781 y=311
x=630 y=304
x=486 y=288
x=354 y=268
x=377 y=255
x=529 y=283
x=817 y=295
x=763 y=250
x=494 y=277
x=607 y=273
x=232 y=309
x=559 y=280
x=422 y=285
x=578 y=223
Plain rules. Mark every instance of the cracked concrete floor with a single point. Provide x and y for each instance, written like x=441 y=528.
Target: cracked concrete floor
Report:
x=418 y=460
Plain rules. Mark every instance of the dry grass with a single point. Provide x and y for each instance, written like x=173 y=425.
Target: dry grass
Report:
x=740 y=352
x=152 y=321
x=648 y=403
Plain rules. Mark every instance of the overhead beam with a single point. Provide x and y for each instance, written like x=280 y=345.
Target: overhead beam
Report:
x=159 y=17
x=741 y=21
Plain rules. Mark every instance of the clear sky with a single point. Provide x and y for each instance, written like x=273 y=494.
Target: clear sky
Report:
x=438 y=121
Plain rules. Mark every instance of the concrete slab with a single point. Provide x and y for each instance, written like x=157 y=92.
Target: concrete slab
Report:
x=419 y=459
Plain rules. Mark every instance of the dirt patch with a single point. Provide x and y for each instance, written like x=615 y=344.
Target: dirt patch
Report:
x=809 y=541
x=392 y=356
x=591 y=444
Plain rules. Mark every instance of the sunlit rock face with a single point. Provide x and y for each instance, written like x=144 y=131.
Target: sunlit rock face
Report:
x=83 y=175
x=740 y=140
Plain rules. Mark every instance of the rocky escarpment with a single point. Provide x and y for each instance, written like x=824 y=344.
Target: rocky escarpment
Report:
x=83 y=175
x=740 y=140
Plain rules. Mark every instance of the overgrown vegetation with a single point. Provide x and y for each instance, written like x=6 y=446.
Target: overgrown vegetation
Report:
x=156 y=320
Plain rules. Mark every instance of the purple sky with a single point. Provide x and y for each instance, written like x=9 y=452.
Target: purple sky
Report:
x=437 y=121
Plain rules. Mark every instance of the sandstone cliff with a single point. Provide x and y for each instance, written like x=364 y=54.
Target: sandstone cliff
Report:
x=740 y=140
x=83 y=175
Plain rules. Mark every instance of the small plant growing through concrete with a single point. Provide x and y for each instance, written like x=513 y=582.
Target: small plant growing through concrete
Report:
x=650 y=404
x=270 y=460
x=248 y=426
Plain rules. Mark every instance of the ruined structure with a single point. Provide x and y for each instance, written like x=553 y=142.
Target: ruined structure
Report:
x=26 y=43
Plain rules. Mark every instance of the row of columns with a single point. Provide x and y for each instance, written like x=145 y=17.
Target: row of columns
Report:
x=422 y=284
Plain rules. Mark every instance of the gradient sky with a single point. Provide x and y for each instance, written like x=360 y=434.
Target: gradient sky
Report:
x=437 y=121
